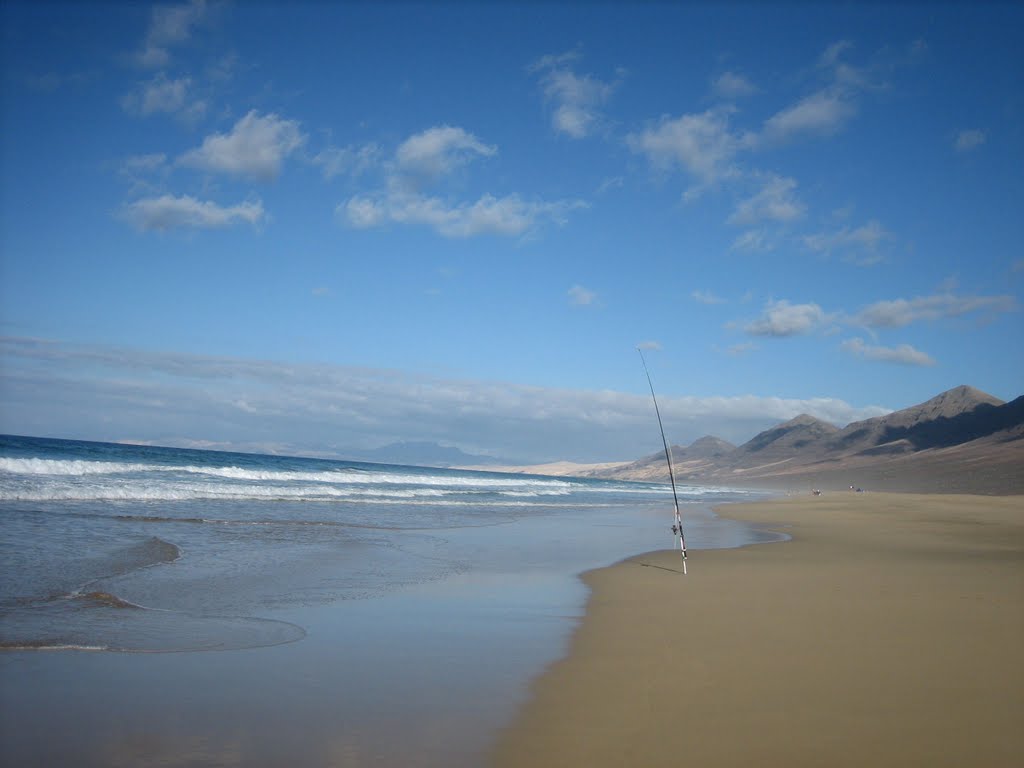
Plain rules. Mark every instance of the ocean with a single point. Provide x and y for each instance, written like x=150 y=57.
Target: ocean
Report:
x=354 y=592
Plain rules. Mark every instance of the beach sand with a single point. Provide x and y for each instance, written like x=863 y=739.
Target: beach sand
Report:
x=888 y=632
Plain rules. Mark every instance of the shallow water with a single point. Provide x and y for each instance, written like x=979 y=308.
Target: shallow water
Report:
x=365 y=614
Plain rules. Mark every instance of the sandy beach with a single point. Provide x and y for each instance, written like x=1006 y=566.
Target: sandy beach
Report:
x=888 y=631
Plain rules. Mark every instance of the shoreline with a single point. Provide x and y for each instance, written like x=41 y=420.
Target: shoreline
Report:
x=450 y=657
x=888 y=631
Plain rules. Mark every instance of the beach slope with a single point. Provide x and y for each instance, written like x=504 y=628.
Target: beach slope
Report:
x=888 y=631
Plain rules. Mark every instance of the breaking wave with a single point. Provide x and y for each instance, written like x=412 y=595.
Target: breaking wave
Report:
x=38 y=479
x=233 y=492
x=41 y=479
x=348 y=475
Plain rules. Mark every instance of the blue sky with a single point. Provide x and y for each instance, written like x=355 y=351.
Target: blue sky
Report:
x=325 y=227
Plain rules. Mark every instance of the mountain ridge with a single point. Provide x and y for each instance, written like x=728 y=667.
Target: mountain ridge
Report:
x=961 y=440
x=420 y=453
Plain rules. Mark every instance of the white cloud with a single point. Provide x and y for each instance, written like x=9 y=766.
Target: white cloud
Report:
x=827 y=110
x=578 y=99
x=753 y=241
x=580 y=296
x=614 y=182
x=904 y=354
x=969 y=139
x=509 y=215
x=776 y=201
x=781 y=318
x=859 y=244
x=437 y=151
x=706 y=297
x=429 y=156
x=158 y=95
x=169 y=25
x=362 y=212
x=353 y=160
x=554 y=60
x=820 y=114
x=832 y=54
x=168 y=212
x=898 y=313
x=701 y=144
x=731 y=85
x=162 y=94
x=255 y=148
x=709 y=148
x=115 y=393
x=844 y=74
x=193 y=112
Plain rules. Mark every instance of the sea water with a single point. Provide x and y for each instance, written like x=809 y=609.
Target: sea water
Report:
x=429 y=594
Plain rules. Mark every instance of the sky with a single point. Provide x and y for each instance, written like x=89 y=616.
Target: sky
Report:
x=326 y=227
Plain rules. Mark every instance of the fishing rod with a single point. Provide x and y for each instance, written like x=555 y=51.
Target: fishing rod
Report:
x=677 y=529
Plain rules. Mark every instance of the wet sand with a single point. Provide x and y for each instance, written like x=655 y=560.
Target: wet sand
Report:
x=888 y=632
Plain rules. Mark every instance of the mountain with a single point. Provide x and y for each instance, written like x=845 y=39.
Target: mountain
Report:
x=698 y=453
x=961 y=440
x=707 y=447
x=788 y=439
x=914 y=427
x=951 y=427
x=422 y=454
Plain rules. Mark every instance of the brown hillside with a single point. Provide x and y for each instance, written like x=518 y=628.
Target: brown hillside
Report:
x=961 y=440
